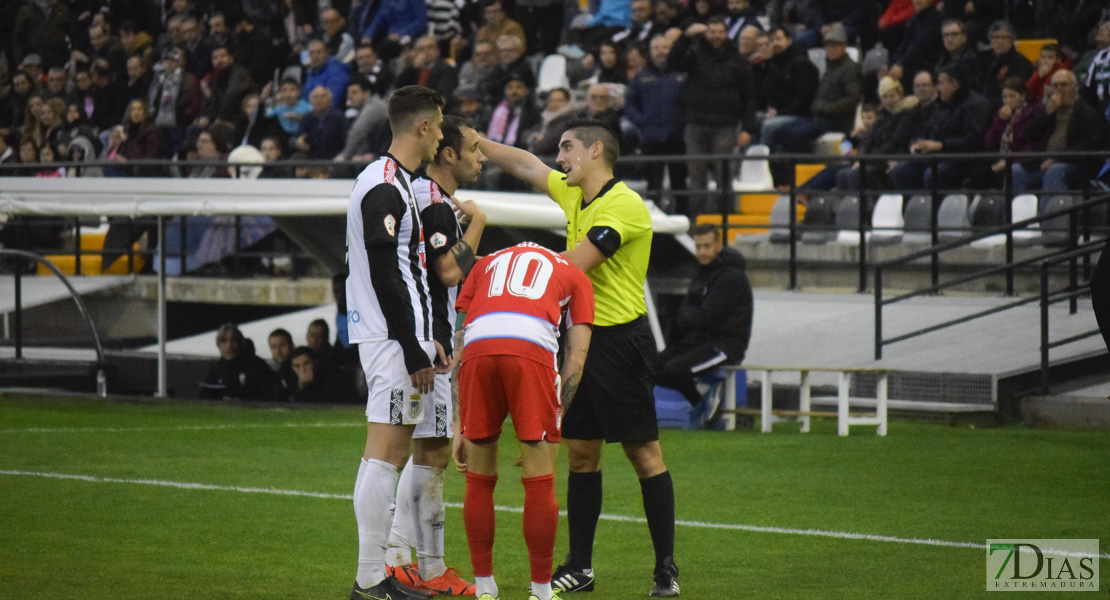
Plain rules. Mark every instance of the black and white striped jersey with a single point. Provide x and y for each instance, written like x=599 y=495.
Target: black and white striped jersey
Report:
x=387 y=286
x=441 y=232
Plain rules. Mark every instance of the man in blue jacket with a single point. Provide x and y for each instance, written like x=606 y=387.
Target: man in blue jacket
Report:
x=655 y=104
x=324 y=70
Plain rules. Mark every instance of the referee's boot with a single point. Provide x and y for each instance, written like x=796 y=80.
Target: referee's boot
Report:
x=666 y=580
x=566 y=579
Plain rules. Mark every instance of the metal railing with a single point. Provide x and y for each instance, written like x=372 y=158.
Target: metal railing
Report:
x=1071 y=293
x=101 y=378
x=1068 y=254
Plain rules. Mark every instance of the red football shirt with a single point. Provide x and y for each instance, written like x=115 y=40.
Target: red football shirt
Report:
x=515 y=299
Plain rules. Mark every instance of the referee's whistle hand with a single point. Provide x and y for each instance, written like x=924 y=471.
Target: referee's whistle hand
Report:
x=424 y=380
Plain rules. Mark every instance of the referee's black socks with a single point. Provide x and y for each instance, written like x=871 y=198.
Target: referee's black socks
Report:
x=583 y=511
x=658 y=492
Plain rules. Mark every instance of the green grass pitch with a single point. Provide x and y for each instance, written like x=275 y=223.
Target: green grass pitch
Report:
x=140 y=500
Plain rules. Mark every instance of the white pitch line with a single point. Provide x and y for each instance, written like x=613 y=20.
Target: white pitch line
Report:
x=515 y=509
x=176 y=428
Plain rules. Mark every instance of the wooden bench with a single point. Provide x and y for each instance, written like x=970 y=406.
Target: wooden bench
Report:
x=768 y=415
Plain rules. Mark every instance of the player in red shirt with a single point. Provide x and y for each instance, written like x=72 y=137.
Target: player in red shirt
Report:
x=514 y=301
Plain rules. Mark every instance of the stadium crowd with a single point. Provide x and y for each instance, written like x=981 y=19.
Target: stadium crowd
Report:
x=124 y=80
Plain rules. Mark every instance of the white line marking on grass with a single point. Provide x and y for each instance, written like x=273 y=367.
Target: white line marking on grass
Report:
x=847 y=535
x=176 y=428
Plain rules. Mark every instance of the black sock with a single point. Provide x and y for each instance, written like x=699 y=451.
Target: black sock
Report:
x=583 y=511
x=658 y=492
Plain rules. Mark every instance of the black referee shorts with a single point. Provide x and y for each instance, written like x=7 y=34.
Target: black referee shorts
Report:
x=615 y=400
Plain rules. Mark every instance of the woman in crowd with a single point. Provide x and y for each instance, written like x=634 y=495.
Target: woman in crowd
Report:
x=211 y=145
x=1007 y=133
x=143 y=140
x=553 y=120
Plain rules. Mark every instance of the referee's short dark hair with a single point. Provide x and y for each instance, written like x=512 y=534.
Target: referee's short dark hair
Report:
x=591 y=131
x=452 y=134
x=410 y=102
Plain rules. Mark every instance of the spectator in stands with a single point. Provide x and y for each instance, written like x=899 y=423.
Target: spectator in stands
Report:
x=198 y=51
x=391 y=21
x=720 y=103
x=23 y=90
x=748 y=42
x=138 y=80
x=1051 y=59
x=424 y=66
x=909 y=128
x=656 y=105
x=642 y=27
x=542 y=22
x=224 y=89
x=174 y=99
x=636 y=58
x=42 y=28
x=367 y=122
x=481 y=64
x=791 y=82
x=922 y=43
x=219 y=34
x=255 y=50
x=609 y=18
x=135 y=42
x=211 y=145
x=325 y=130
x=1093 y=69
x=511 y=62
x=143 y=140
x=666 y=16
x=601 y=107
x=1001 y=62
x=1007 y=134
x=1064 y=123
x=317 y=336
x=560 y=111
x=878 y=138
x=102 y=45
x=374 y=70
x=237 y=375
x=77 y=126
x=288 y=106
x=497 y=23
x=957 y=51
x=28 y=154
x=834 y=105
x=51 y=130
x=608 y=65
x=57 y=84
x=339 y=44
x=107 y=94
x=959 y=124
x=31 y=124
x=48 y=169
x=468 y=103
x=976 y=15
x=323 y=70
x=714 y=322
x=740 y=16
x=252 y=125
x=273 y=150
x=514 y=115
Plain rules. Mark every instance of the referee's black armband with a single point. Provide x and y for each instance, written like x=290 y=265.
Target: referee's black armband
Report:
x=606 y=239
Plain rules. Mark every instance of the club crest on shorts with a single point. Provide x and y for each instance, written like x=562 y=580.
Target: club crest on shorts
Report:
x=390 y=171
x=414 y=405
x=390 y=225
x=441 y=420
x=396 y=404
x=438 y=240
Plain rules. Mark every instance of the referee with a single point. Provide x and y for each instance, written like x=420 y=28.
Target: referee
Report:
x=609 y=237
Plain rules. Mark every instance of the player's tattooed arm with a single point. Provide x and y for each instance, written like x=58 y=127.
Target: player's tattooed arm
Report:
x=574 y=359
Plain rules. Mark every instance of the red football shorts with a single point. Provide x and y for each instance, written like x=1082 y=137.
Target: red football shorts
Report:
x=491 y=387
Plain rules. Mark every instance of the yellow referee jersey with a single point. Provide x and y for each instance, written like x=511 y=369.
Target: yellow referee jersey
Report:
x=619 y=281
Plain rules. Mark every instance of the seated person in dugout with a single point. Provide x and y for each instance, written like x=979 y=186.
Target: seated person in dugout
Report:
x=714 y=322
x=312 y=386
x=239 y=374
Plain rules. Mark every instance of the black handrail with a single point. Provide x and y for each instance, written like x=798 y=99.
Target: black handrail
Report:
x=101 y=379
x=1072 y=294
x=1072 y=212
